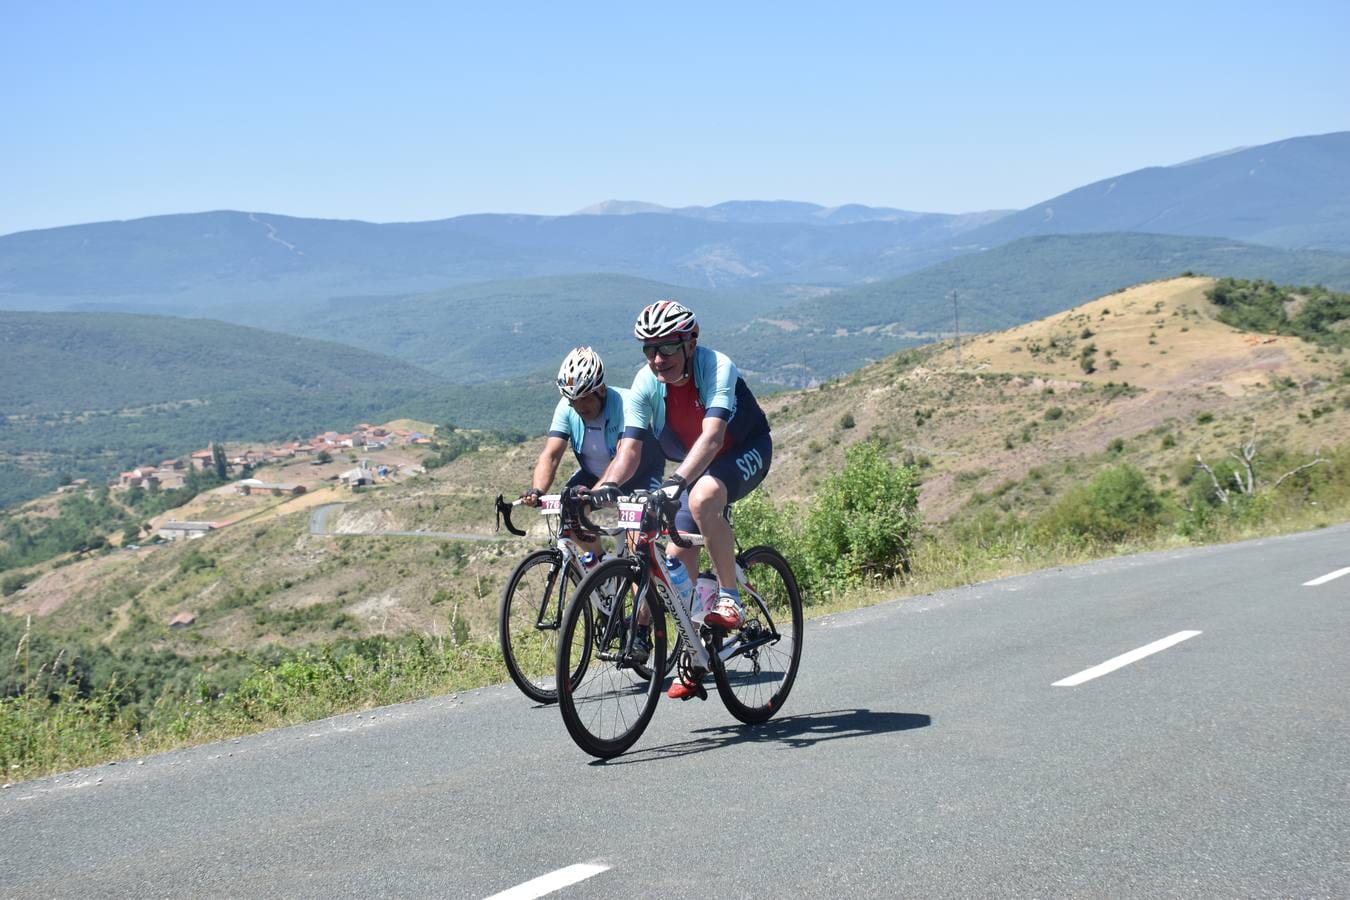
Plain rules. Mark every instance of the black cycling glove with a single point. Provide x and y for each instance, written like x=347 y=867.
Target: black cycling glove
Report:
x=674 y=485
x=606 y=494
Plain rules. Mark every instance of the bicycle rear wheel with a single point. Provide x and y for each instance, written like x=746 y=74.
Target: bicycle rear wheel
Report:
x=609 y=704
x=755 y=665
x=528 y=620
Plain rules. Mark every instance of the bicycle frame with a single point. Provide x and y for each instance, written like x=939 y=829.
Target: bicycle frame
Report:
x=551 y=509
x=632 y=517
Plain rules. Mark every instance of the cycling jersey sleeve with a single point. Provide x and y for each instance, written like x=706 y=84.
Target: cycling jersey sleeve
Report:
x=720 y=397
x=562 y=425
x=637 y=406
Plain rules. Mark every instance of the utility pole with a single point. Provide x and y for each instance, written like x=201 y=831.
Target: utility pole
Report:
x=956 y=317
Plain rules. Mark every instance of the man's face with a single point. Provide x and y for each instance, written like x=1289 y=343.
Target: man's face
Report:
x=667 y=358
x=590 y=405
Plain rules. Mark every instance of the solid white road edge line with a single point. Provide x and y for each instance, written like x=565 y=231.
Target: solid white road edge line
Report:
x=553 y=881
x=1325 y=578
x=1124 y=659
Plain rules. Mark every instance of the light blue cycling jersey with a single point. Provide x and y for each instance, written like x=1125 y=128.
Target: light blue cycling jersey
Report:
x=567 y=424
x=572 y=428
x=721 y=390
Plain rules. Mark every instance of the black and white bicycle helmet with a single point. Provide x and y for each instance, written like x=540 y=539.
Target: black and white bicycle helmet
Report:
x=665 y=318
x=581 y=373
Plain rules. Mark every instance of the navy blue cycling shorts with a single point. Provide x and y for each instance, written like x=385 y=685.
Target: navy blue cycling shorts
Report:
x=740 y=470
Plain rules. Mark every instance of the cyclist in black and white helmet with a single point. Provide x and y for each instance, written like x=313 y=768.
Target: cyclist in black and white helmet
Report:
x=589 y=418
x=696 y=403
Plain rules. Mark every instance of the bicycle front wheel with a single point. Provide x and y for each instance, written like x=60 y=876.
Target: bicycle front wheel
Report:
x=610 y=701
x=755 y=665
x=528 y=620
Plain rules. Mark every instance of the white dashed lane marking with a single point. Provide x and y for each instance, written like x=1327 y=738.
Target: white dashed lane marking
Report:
x=1331 y=576
x=553 y=881
x=1124 y=659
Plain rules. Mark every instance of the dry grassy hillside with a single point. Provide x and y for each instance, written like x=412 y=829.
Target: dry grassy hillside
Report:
x=1016 y=416
x=1168 y=380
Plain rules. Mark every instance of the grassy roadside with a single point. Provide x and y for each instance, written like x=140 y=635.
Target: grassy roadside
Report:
x=52 y=728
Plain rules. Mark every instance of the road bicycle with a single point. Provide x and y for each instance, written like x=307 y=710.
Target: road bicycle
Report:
x=532 y=602
x=606 y=700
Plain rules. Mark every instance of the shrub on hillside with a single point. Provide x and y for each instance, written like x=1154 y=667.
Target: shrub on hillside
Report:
x=865 y=519
x=1265 y=307
x=863 y=524
x=1117 y=504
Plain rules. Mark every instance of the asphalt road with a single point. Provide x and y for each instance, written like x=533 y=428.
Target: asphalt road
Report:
x=925 y=751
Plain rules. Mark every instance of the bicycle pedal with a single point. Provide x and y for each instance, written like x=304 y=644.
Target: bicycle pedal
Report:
x=692 y=690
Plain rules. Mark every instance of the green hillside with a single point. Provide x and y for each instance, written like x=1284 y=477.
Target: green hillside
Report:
x=88 y=393
x=1019 y=282
x=503 y=329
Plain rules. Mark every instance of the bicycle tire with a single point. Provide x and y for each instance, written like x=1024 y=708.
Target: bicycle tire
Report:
x=608 y=706
x=755 y=680
x=529 y=651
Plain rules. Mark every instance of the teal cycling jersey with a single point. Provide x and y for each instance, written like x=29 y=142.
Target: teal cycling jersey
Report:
x=571 y=427
x=721 y=390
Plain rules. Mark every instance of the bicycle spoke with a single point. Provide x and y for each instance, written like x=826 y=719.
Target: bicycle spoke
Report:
x=611 y=702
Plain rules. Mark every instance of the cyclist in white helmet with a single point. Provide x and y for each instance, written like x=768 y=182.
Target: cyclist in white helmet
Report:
x=589 y=417
x=696 y=403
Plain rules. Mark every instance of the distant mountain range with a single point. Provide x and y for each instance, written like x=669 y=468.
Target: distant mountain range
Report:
x=1293 y=194
x=785 y=212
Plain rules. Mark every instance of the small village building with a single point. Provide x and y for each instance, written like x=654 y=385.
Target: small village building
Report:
x=173 y=530
x=144 y=477
x=358 y=477
x=250 y=486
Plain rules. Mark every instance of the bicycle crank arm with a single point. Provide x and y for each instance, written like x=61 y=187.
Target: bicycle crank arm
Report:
x=739 y=647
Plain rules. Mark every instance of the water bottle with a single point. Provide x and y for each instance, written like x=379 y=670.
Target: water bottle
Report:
x=679 y=579
x=588 y=560
x=705 y=596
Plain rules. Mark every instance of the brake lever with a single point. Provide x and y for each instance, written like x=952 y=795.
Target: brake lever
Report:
x=669 y=506
x=579 y=501
x=504 y=514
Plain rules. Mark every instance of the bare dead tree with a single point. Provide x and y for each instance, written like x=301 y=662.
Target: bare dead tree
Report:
x=1295 y=471
x=1219 y=490
x=1244 y=455
x=1246 y=458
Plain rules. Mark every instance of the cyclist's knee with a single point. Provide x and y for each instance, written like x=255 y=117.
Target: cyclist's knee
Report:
x=707 y=497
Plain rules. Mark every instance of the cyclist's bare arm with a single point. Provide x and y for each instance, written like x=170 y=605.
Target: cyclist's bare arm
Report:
x=546 y=468
x=705 y=449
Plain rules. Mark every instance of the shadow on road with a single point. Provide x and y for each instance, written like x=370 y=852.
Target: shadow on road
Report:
x=791 y=732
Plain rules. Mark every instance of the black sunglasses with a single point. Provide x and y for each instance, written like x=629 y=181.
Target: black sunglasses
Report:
x=664 y=349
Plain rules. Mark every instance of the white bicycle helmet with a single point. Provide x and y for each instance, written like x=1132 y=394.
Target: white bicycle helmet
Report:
x=665 y=318
x=582 y=372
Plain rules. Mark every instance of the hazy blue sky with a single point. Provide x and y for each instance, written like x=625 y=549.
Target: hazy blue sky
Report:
x=401 y=111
